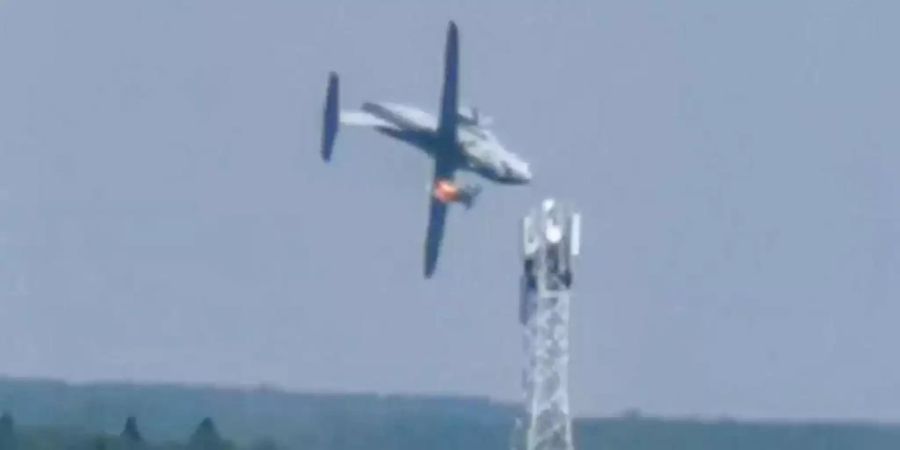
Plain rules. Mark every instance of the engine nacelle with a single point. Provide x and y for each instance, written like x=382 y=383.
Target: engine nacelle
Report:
x=448 y=192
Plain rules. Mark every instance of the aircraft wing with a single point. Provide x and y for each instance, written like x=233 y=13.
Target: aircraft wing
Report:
x=437 y=215
x=449 y=95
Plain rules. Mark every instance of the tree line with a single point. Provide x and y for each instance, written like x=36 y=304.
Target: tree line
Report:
x=206 y=436
x=47 y=415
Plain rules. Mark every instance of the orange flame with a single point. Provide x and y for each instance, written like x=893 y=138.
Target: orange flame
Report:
x=446 y=191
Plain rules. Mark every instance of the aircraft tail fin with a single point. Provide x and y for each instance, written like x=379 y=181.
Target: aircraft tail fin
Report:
x=330 y=117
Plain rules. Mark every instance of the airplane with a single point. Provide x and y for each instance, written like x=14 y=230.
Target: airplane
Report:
x=458 y=140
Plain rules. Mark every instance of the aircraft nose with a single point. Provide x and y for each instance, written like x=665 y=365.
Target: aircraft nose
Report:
x=520 y=175
x=528 y=174
x=525 y=174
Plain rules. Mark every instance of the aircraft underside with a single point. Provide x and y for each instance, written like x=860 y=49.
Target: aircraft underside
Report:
x=423 y=140
x=427 y=142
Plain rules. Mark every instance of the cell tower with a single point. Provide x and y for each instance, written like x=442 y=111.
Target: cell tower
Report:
x=550 y=240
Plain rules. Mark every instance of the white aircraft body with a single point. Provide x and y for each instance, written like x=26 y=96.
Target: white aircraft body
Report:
x=458 y=140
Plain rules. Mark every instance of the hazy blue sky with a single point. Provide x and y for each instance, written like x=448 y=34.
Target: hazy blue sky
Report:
x=166 y=217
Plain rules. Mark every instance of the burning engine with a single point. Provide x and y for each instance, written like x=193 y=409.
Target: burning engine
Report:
x=448 y=192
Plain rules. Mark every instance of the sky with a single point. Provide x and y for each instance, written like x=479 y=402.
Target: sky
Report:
x=166 y=216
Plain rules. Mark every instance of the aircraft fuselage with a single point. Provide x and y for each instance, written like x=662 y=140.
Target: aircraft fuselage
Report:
x=477 y=149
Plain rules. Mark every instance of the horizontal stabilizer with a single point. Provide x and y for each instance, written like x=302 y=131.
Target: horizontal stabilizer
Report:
x=330 y=117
